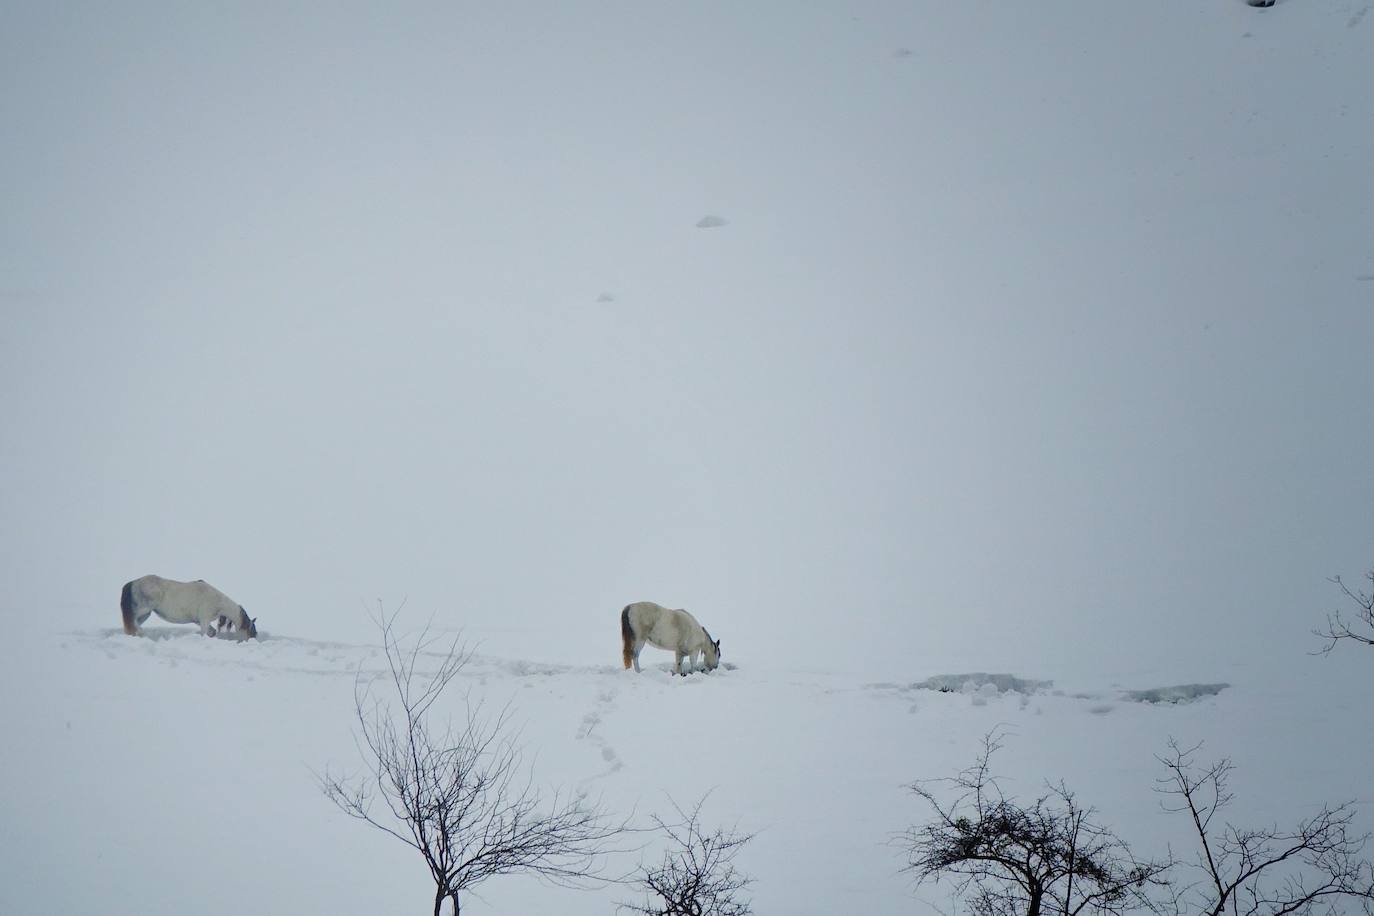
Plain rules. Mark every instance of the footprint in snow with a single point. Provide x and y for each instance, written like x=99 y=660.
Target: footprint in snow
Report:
x=587 y=732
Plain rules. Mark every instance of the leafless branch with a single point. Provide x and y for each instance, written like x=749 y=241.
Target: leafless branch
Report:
x=1361 y=629
x=1008 y=859
x=459 y=794
x=1315 y=868
x=697 y=875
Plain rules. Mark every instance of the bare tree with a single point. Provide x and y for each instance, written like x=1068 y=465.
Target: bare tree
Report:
x=1049 y=857
x=1314 y=868
x=697 y=876
x=1338 y=628
x=459 y=795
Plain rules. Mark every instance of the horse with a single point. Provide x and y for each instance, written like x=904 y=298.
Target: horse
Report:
x=184 y=602
x=666 y=628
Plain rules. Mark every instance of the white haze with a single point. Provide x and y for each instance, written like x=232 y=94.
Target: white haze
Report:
x=1033 y=329
x=1035 y=341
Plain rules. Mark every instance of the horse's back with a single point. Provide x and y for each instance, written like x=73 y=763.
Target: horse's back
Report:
x=179 y=602
x=665 y=627
x=153 y=588
x=146 y=589
x=643 y=616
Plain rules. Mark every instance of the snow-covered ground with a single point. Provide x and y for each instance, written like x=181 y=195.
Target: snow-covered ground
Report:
x=962 y=365
x=119 y=791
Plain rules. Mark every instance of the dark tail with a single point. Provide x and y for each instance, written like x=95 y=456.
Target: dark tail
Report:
x=126 y=605
x=627 y=636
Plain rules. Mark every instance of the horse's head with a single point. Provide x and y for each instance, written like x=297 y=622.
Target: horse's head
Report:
x=712 y=651
x=247 y=625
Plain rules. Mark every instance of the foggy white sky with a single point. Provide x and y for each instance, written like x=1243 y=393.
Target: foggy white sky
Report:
x=1016 y=347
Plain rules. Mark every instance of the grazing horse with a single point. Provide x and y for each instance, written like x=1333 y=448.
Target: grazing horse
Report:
x=666 y=628
x=184 y=602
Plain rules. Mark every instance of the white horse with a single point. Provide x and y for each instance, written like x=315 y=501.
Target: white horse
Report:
x=666 y=628
x=184 y=602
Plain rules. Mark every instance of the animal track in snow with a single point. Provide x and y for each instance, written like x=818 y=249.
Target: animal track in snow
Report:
x=590 y=721
x=587 y=732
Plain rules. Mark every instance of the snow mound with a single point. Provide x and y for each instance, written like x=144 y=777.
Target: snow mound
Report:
x=710 y=222
x=981 y=683
x=1181 y=693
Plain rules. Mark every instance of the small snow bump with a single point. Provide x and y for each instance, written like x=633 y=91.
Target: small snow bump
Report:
x=710 y=222
x=980 y=681
x=606 y=297
x=902 y=52
x=1180 y=693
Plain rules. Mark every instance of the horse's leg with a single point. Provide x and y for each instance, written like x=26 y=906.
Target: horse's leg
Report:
x=677 y=663
x=634 y=653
